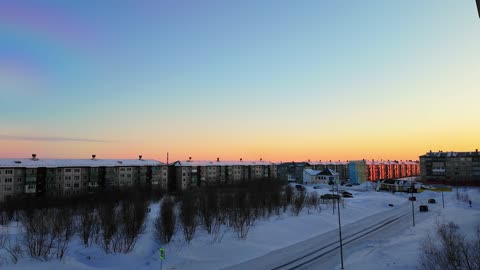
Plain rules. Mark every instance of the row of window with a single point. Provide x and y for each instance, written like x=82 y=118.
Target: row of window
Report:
x=7 y=171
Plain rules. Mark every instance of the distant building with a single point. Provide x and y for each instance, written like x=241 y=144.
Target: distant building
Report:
x=292 y=171
x=310 y=176
x=361 y=170
x=329 y=176
x=451 y=167
x=67 y=177
x=190 y=173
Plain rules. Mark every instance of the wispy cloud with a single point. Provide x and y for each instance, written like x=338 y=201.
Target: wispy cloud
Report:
x=47 y=139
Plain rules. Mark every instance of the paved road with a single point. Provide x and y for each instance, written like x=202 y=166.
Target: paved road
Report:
x=323 y=252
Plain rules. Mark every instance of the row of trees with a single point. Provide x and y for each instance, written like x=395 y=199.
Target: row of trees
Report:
x=113 y=221
x=237 y=207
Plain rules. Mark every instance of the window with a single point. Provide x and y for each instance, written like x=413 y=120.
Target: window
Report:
x=122 y=169
x=68 y=170
x=76 y=185
x=59 y=170
x=8 y=171
x=129 y=169
x=68 y=178
x=129 y=176
x=19 y=179
x=122 y=175
x=164 y=174
x=76 y=170
x=76 y=177
x=8 y=188
x=67 y=185
x=8 y=180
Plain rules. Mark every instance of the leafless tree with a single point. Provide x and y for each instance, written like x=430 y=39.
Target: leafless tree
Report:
x=166 y=221
x=298 y=202
x=188 y=214
x=449 y=250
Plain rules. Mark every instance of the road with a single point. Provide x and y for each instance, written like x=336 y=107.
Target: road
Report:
x=323 y=252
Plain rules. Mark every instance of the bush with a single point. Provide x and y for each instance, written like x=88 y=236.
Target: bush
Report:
x=450 y=251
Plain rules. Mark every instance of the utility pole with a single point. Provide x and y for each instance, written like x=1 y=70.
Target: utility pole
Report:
x=413 y=207
x=340 y=230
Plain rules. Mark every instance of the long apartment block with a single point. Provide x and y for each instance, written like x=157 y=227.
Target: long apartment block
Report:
x=451 y=167
x=66 y=177
x=190 y=173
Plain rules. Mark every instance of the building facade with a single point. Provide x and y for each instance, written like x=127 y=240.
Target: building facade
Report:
x=68 y=177
x=362 y=170
x=191 y=173
x=451 y=167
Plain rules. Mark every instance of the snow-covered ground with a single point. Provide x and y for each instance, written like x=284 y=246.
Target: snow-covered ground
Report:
x=275 y=233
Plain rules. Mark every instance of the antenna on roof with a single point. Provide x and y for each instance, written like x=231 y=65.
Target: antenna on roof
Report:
x=218 y=159
x=140 y=157
x=34 y=157
x=93 y=157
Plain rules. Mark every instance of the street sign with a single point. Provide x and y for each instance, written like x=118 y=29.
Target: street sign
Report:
x=162 y=254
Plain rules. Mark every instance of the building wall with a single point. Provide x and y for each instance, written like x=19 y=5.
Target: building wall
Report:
x=451 y=167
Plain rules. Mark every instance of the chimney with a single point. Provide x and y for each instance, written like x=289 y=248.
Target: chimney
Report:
x=189 y=159
x=476 y=150
x=140 y=157
x=93 y=157
x=218 y=159
x=241 y=159
x=309 y=160
x=261 y=159
x=34 y=156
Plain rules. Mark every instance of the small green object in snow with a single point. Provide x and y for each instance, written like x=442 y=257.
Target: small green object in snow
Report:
x=162 y=253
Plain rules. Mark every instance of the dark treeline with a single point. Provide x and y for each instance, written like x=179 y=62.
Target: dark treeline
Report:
x=114 y=220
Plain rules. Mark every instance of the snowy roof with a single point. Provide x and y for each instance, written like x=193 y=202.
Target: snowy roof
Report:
x=328 y=163
x=311 y=172
x=221 y=163
x=54 y=163
x=328 y=172
x=390 y=162
x=452 y=154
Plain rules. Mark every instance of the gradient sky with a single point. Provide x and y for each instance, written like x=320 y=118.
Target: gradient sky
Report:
x=272 y=79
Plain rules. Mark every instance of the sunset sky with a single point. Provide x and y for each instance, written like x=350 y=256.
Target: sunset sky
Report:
x=273 y=79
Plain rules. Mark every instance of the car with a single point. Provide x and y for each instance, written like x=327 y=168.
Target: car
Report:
x=345 y=192
x=390 y=204
x=423 y=208
x=300 y=187
x=348 y=185
x=330 y=197
x=347 y=195
x=317 y=187
x=412 y=198
x=432 y=201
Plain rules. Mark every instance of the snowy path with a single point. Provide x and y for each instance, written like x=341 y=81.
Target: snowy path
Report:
x=322 y=252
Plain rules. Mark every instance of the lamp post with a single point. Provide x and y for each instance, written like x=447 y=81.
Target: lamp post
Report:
x=413 y=207
x=340 y=229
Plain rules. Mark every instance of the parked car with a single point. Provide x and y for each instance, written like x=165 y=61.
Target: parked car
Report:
x=390 y=204
x=348 y=185
x=347 y=195
x=413 y=198
x=423 y=208
x=330 y=197
x=432 y=201
x=300 y=187
x=317 y=187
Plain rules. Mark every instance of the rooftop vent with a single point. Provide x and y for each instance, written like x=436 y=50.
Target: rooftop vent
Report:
x=93 y=157
x=261 y=159
x=17 y=161
x=189 y=159
x=241 y=159
x=218 y=159
x=140 y=157
x=34 y=157
x=476 y=151
x=120 y=162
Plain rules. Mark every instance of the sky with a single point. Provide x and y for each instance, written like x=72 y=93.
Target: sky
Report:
x=273 y=79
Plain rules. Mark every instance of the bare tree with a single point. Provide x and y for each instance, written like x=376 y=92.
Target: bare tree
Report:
x=166 y=221
x=87 y=223
x=298 y=202
x=450 y=250
x=188 y=214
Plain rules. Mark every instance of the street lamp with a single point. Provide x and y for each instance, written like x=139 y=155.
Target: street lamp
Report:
x=340 y=228
x=413 y=207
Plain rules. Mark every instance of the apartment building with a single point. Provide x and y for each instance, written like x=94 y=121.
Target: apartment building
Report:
x=200 y=173
x=451 y=167
x=374 y=170
x=66 y=177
